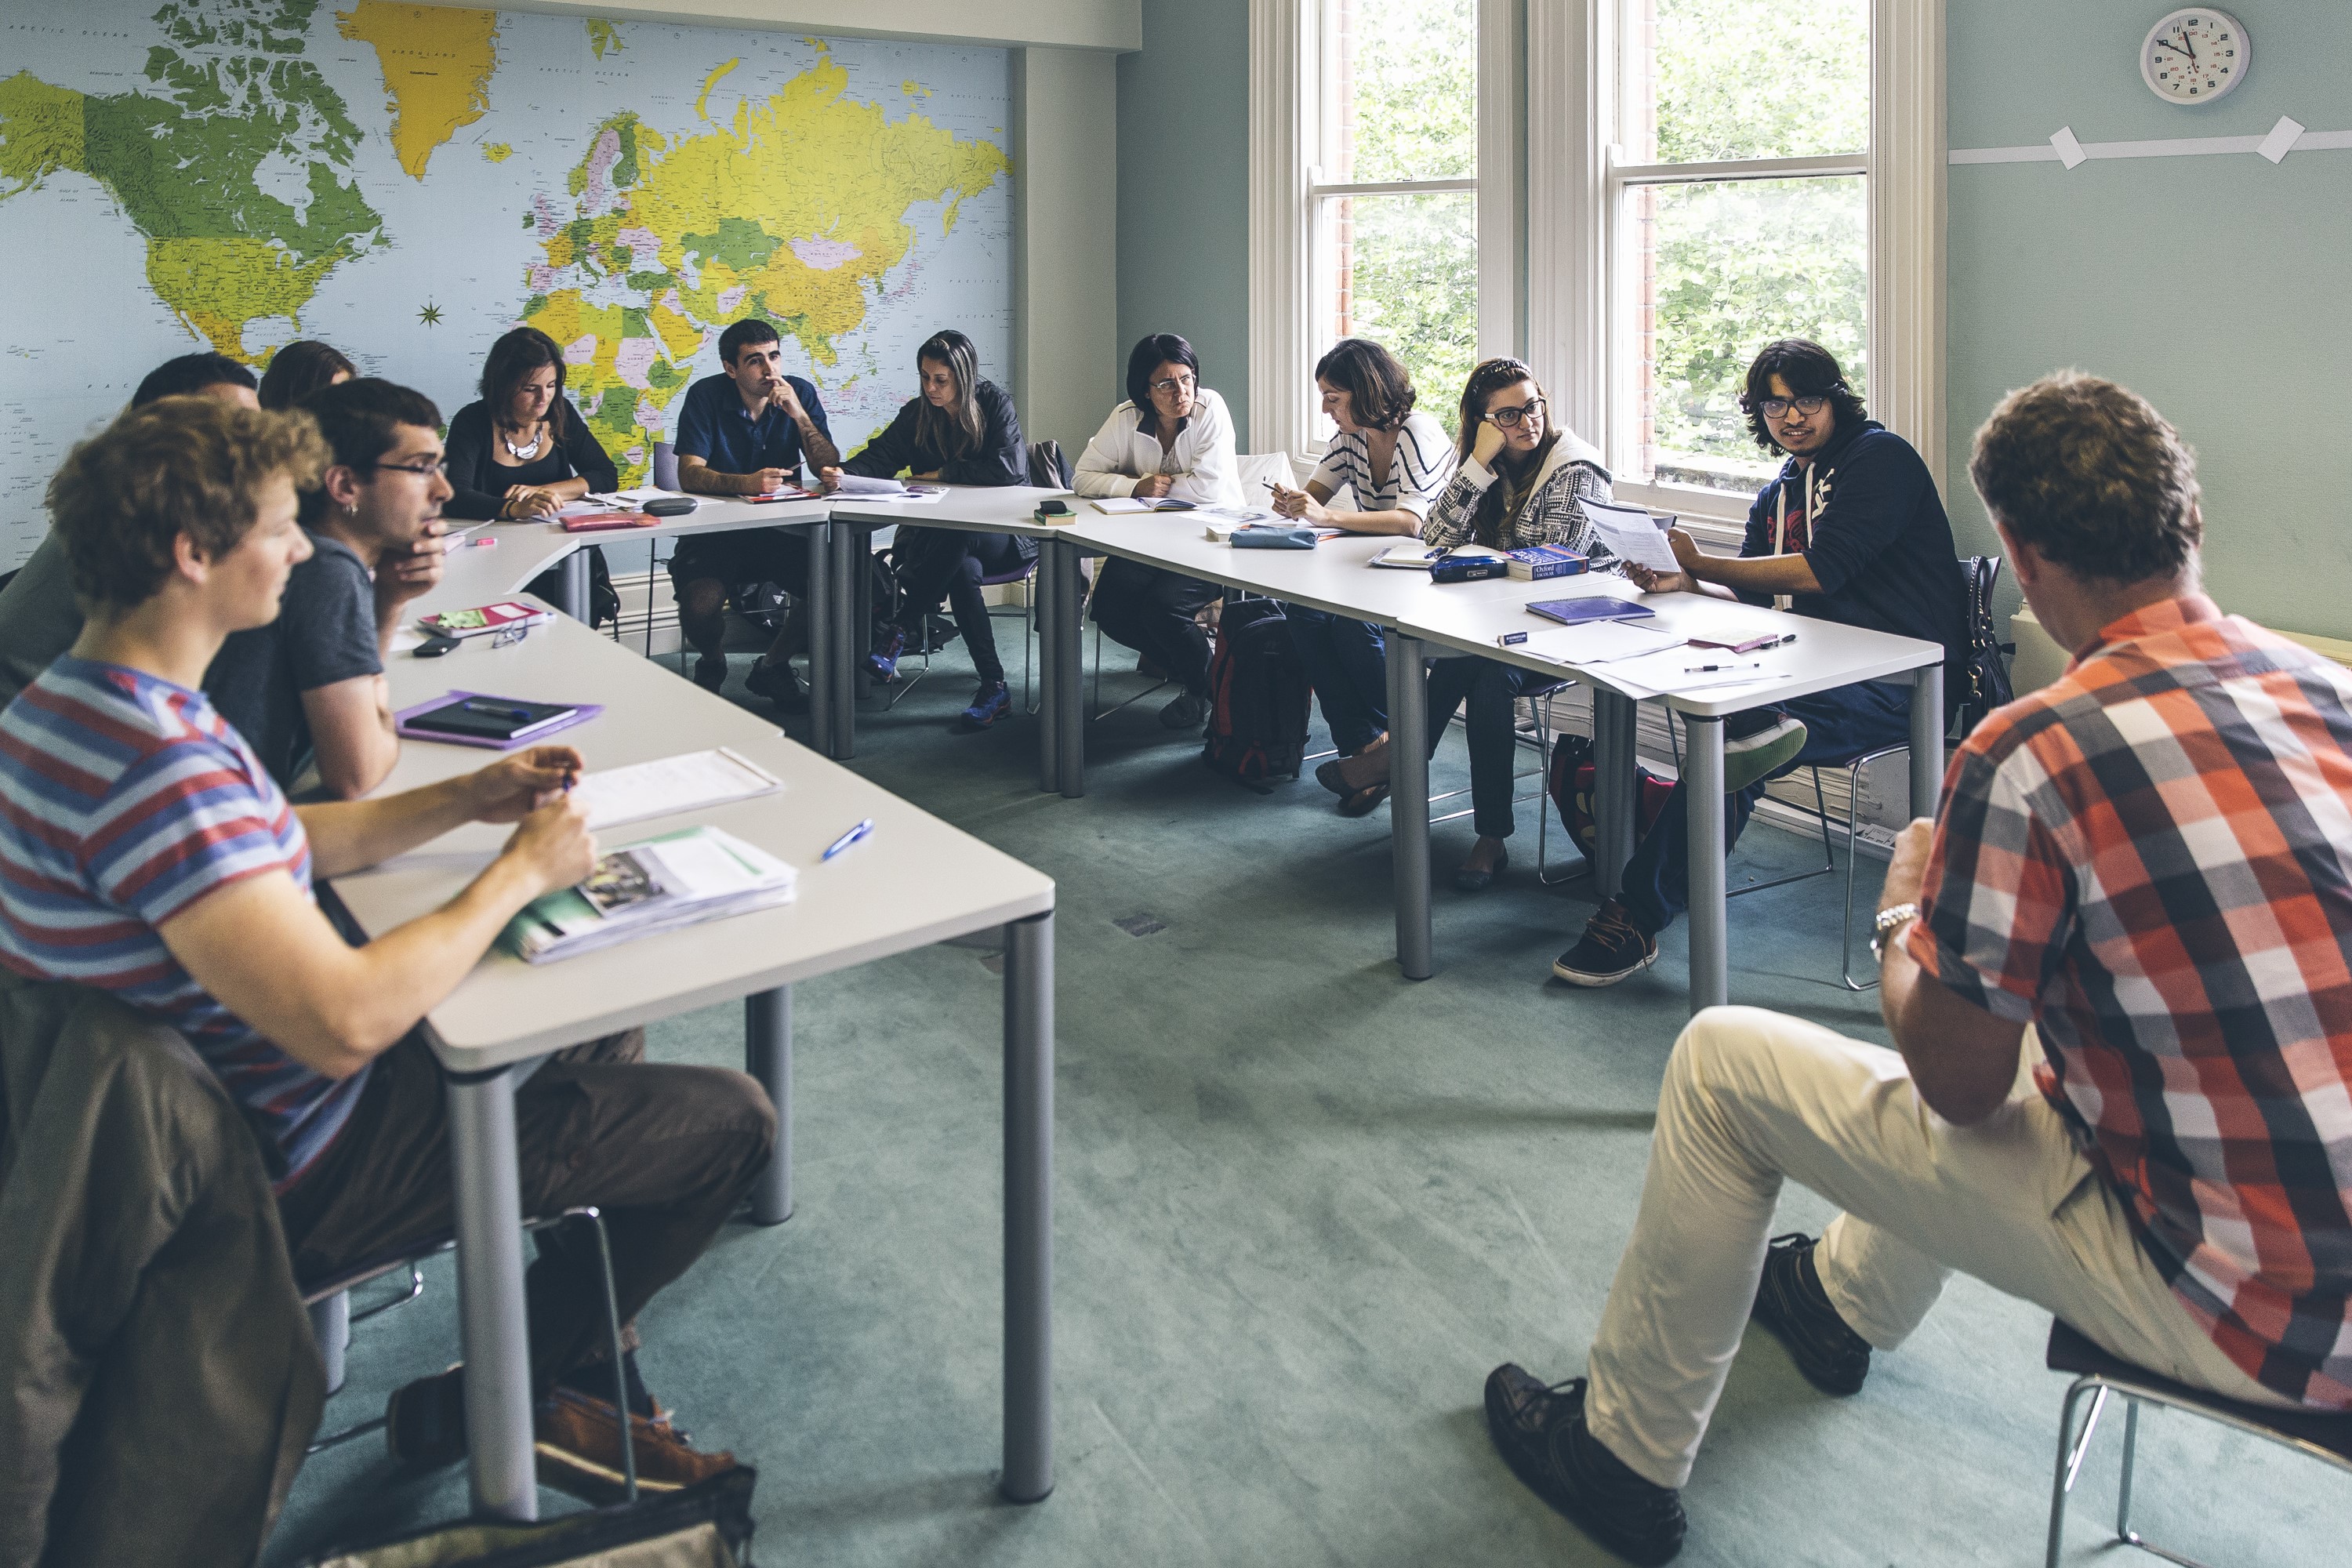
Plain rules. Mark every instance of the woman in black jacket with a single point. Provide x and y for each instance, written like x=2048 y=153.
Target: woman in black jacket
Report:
x=523 y=450
x=961 y=430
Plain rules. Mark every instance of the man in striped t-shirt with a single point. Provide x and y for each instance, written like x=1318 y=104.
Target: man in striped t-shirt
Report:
x=144 y=850
x=2146 y=862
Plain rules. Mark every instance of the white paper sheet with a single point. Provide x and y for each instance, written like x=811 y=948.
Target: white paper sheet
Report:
x=688 y=781
x=1597 y=642
x=1675 y=672
x=861 y=485
x=1631 y=535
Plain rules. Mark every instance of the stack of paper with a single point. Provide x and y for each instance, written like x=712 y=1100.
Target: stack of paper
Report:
x=693 y=781
x=1597 y=642
x=662 y=884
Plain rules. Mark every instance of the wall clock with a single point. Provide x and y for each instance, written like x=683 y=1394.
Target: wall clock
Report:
x=2194 y=54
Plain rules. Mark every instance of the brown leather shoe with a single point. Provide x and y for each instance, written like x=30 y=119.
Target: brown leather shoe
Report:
x=579 y=1449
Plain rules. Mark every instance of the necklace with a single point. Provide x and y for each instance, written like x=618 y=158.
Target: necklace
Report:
x=522 y=454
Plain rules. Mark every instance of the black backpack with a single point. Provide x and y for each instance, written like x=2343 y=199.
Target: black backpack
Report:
x=1984 y=678
x=1257 y=696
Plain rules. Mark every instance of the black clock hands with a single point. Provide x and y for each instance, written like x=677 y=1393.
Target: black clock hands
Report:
x=2176 y=48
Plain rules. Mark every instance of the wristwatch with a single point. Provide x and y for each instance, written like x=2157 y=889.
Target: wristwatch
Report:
x=1890 y=921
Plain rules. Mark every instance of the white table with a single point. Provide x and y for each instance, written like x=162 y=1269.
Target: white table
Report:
x=1467 y=617
x=914 y=881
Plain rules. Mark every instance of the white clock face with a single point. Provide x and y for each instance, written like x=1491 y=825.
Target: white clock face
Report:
x=2195 y=55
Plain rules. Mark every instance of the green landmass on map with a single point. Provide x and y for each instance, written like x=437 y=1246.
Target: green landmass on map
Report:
x=183 y=161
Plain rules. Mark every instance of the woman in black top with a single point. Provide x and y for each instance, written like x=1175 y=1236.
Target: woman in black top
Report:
x=961 y=430
x=535 y=452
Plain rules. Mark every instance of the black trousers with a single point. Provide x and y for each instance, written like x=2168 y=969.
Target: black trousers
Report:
x=1150 y=610
x=666 y=1151
x=933 y=563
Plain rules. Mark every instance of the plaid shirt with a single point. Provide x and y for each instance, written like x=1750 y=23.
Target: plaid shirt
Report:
x=2151 y=860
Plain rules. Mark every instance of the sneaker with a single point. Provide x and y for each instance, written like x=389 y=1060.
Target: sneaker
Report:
x=883 y=662
x=710 y=671
x=1612 y=948
x=1790 y=1302
x=988 y=704
x=1539 y=1430
x=578 y=1444
x=1771 y=747
x=1186 y=713
x=424 y=1422
x=780 y=684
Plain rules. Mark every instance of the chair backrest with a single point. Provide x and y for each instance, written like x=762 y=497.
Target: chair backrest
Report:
x=1256 y=467
x=665 y=466
x=1048 y=469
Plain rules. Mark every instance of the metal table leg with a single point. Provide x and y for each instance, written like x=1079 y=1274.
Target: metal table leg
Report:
x=846 y=653
x=768 y=1057
x=1028 y=1209
x=1046 y=584
x=823 y=654
x=1710 y=953
x=1069 y=654
x=1409 y=804
x=858 y=542
x=1614 y=717
x=573 y=598
x=494 y=1331
x=1926 y=738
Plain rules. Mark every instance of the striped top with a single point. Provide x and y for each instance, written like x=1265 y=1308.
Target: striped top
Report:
x=2151 y=860
x=1417 y=472
x=124 y=800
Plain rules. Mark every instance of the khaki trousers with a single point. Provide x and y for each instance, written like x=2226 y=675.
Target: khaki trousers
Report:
x=1752 y=1098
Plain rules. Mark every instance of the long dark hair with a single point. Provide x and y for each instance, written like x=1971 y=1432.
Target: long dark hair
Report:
x=521 y=352
x=1490 y=377
x=1380 y=391
x=299 y=369
x=1159 y=349
x=1811 y=371
x=936 y=429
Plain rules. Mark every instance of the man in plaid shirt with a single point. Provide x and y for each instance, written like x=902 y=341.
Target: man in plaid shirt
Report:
x=2137 y=888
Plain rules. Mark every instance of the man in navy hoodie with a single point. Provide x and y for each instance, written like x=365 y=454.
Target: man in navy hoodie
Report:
x=1850 y=530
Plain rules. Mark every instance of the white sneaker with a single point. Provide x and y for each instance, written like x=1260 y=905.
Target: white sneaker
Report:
x=1761 y=754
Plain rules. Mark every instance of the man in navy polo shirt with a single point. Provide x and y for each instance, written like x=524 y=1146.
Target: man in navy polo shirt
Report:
x=743 y=432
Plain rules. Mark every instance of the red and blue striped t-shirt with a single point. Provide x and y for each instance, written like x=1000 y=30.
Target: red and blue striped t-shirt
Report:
x=123 y=800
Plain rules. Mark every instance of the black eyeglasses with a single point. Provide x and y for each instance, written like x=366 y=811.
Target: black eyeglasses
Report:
x=421 y=470
x=1775 y=408
x=1509 y=418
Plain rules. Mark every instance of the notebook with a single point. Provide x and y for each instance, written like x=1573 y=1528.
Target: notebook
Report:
x=493 y=721
x=1594 y=608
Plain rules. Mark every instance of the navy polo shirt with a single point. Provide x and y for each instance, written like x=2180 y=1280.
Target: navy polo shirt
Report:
x=714 y=426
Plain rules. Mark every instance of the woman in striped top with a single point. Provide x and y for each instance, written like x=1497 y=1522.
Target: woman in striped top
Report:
x=1393 y=461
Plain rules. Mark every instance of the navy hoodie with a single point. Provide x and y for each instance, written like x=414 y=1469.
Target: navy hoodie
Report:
x=1881 y=547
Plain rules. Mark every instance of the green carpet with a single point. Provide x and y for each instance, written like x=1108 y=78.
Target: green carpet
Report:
x=1302 y=1207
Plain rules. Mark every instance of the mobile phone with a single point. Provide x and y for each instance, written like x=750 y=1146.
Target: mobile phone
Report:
x=436 y=645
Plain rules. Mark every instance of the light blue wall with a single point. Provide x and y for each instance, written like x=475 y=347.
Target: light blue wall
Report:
x=1184 y=188
x=2219 y=288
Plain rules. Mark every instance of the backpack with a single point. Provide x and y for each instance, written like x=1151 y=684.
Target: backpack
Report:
x=1048 y=469
x=1257 y=696
x=1984 y=678
x=1571 y=786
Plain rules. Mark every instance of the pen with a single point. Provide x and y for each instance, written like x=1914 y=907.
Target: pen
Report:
x=1711 y=668
x=848 y=839
x=496 y=709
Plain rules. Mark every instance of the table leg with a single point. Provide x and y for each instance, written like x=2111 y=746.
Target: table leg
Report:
x=1926 y=738
x=1409 y=804
x=1069 y=652
x=1710 y=953
x=493 y=1330
x=1615 y=718
x=768 y=1057
x=847 y=655
x=860 y=540
x=823 y=654
x=1044 y=584
x=1028 y=1209
x=573 y=597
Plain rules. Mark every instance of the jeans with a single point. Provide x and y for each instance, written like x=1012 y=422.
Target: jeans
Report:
x=1347 y=663
x=1839 y=725
x=1150 y=611
x=1492 y=691
x=934 y=561
x=1752 y=1099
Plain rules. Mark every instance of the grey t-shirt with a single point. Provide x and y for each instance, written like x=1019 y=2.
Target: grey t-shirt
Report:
x=324 y=633
x=38 y=618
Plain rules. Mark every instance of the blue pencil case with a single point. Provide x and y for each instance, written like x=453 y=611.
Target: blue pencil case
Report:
x=1273 y=536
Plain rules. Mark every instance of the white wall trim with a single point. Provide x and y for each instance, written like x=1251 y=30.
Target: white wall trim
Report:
x=1502 y=178
x=1115 y=25
x=1280 y=303
x=1907 y=224
x=1571 y=112
x=2164 y=147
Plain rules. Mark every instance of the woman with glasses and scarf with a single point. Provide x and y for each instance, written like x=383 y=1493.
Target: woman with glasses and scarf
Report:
x=959 y=430
x=1521 y=480
x=1171 y=437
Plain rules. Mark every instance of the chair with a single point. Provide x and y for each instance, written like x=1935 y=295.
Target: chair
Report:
x=328 y=1303
x=1534 y=732
x=2327 y=1439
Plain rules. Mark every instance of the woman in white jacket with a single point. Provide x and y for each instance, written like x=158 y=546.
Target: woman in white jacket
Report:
x=1171 y=437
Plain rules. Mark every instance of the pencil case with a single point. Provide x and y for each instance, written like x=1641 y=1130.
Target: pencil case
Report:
x=1270 y=536
x=1469 y=568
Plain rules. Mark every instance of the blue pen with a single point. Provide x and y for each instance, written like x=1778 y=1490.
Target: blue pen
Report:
x=848 y=839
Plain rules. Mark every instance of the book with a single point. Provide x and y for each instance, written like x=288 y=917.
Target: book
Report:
x=1594 y=608
x=657 y=885
x=602 y=522
x=1121 y=506
x=1409 y=557
x=497 y=720
x=474 y=623
x=1538 y=562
